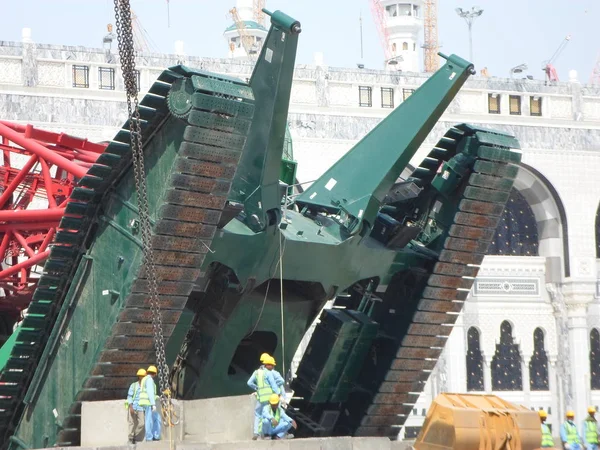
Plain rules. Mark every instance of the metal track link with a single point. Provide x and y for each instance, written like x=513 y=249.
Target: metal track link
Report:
x=196 y=194
x=474 y=224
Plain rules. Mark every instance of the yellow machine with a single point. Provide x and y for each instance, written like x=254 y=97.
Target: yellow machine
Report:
x=478 y=422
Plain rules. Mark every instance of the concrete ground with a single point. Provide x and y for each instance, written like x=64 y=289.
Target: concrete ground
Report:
x=343 y=443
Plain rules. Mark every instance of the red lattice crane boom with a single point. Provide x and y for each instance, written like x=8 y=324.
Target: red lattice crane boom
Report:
x=378 y=13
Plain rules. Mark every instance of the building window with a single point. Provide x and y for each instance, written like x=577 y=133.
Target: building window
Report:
x=535 y=106
x=414 y=47
x=394 y=48
x=365 y=96
x=405 y=46
x=81 y=76
x=392 y=10
x=595 y=359
x=515 y=105
x=538 y=366
x=474 y=361
x=494 y=103
x=387 y=97
x=407 y=93
x=404 y=9
x=506 y=364
x=106 y=78
x=416 y=11
x=516 y=233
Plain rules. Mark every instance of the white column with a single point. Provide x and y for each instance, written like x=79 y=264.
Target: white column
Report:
x=487 y=374
x=554 y=418
x=456 y=361
x=579 y=357
x=525 y=377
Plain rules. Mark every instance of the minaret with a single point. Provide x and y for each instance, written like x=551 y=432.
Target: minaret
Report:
x=255 y=32
x=404 y=22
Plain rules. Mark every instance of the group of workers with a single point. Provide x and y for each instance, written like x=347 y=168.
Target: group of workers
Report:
x=270 y=418
x=142 y=407
x=570 y=437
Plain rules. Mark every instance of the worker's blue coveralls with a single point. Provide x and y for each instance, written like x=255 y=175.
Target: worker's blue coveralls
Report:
x=262 y=398
x=152 y=429
x=284 y=422
x=589 y=434
x=570 y=436
x=156 y=417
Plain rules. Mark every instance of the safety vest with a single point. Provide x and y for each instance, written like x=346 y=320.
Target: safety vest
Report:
x=264 y=389
x=547 y=440
x=144 y=397
x=572 y=436
x=135 y=386
x=276 y=416
x=591 y=431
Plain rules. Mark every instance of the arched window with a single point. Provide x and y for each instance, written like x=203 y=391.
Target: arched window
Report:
x=595 y=359
x=517 y=233
x=538 y=366
x=393 y=48
x=506 y=364
x=474 y=361
x=405 y=46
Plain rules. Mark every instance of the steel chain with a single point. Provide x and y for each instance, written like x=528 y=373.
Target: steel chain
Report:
x=127 y=59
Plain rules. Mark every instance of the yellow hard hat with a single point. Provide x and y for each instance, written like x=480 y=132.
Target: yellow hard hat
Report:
x=274 y=399
x=152 y=369
x=270 y=360
x=570 y=414
x=592 y=409
x=263 y=357
x=542 y=413
x=141 y=372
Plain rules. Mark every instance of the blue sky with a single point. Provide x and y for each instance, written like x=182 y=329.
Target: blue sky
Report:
x=509 y=32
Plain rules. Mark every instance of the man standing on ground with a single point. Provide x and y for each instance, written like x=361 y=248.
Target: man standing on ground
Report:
x=156 y=418
x=276 y=375
x=135 y=415
x=568 y=433
x=589 y=430
x=275 y=422
x=148 y=401
x=263 y=383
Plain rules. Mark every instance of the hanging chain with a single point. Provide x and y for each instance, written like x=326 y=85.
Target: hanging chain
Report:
x=127 y=58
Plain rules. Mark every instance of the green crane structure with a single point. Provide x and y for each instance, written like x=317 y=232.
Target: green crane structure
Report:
x=243 y=269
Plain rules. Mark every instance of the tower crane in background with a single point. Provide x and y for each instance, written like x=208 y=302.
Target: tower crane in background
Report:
x=379 y=17
x=142 y=41
x=259 y=15
x=246 y=40
x=548 y=66
x=431 y=45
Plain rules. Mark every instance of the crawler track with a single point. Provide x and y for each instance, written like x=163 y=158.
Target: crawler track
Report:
x=432 y=312
x=218 y=113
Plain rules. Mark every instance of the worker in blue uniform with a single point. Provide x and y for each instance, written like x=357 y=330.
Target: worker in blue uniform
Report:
x=151 y=413
x=275 y=422
x=568 y=433
x=263 y=383
x=278 y=378
x=135 y=413
x=589 y=430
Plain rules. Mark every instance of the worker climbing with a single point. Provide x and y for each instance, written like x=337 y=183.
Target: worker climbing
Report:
x=135 y=416
x=589 y=430
x=275 y=423
x=264 y=384
x=568 y=433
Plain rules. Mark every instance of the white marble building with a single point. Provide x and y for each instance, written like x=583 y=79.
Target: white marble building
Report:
x=550 y=284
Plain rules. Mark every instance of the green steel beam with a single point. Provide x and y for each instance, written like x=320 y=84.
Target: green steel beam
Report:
x=359 y=181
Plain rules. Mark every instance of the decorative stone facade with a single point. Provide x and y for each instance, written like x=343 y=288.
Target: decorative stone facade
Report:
x=556 y=291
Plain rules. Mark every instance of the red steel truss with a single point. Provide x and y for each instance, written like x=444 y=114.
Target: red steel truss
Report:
x=38 y=173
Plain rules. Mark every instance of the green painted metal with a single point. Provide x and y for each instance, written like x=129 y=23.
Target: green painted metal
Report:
x=256 y=184
x=398 y=255
x=359 y=181
x=7 y=348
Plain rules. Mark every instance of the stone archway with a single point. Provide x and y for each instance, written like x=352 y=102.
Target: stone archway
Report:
x=551 y=221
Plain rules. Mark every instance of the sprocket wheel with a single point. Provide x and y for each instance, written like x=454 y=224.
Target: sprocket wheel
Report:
x=179 y=98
